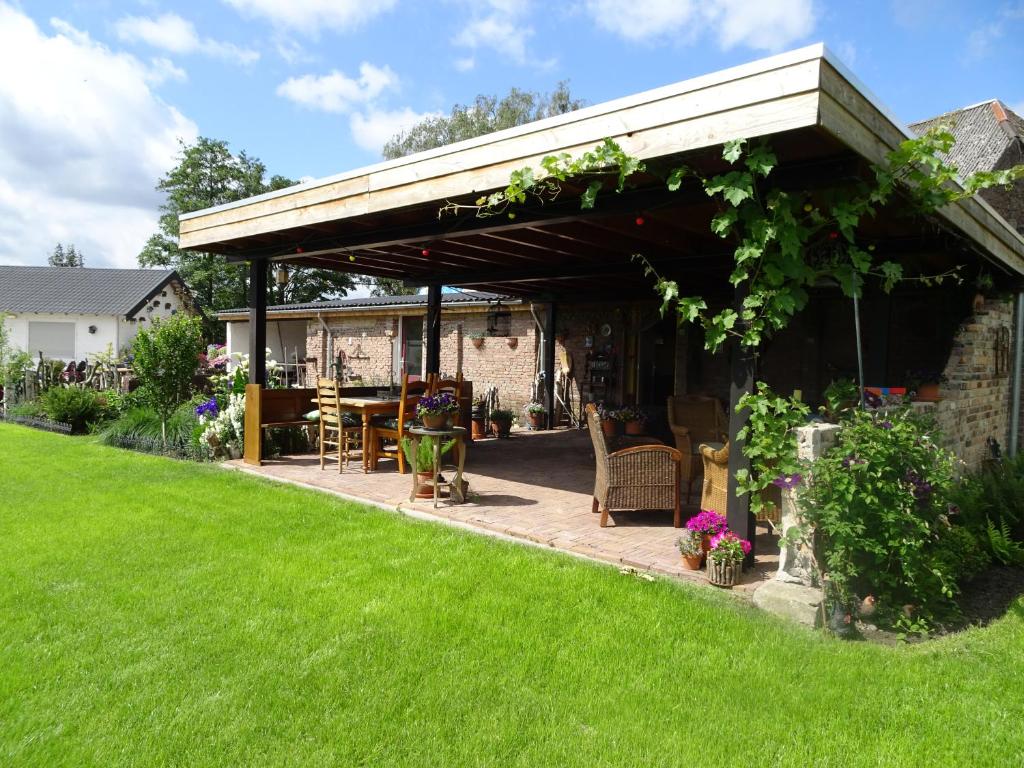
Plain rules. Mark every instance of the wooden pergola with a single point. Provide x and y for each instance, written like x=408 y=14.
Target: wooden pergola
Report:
x=384 y=220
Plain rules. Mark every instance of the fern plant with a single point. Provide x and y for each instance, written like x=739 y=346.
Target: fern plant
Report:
x=1004 y=548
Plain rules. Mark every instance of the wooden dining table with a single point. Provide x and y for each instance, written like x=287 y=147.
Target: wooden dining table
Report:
x=368 y=407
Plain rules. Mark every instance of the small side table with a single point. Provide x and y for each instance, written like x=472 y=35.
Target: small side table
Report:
x=440 y=436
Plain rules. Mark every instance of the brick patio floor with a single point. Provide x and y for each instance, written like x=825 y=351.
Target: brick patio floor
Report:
x=535 y=486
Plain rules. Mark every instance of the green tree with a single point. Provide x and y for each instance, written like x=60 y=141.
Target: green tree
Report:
x=208 y=174
x=66 y=257
x=166 y=357
x=486 y=114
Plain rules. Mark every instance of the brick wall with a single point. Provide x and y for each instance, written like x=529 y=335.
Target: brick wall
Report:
x=975 y=401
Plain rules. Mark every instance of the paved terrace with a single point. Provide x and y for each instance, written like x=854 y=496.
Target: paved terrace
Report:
x=534 y=486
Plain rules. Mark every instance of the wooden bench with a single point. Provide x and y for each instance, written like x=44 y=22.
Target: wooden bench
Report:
x=265 y=408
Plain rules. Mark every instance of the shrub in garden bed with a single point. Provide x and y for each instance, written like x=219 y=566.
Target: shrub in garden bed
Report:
x=141 y=429
x=72 y=405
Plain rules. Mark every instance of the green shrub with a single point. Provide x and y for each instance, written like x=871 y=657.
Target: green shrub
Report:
x=166 y=358
x=142 y=424
x=1004 y=548
x=878 y=503
x=994 y=493
x=962 y=554
x=72 y=405
x=25 y=408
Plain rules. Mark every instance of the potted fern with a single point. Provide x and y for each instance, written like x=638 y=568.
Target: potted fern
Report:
x=422 y=462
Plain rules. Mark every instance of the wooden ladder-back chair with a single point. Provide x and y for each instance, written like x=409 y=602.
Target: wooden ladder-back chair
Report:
x=694 y=420
x=453 y=387
x=393 y=427
x=337 y=428
x=642 y=477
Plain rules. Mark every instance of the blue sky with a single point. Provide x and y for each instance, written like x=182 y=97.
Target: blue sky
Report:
x=95 y=94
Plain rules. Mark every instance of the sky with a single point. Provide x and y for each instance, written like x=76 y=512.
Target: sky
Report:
x=96 y=95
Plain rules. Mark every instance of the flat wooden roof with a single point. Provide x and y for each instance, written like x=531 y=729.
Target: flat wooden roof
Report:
x=377 y=220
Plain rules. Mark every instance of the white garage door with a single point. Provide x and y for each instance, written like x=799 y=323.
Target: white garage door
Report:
x=55 y=340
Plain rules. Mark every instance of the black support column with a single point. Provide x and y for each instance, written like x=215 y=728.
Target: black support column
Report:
x=433 y=362
x=258 y=322
x=741 y=519
x=550 y=318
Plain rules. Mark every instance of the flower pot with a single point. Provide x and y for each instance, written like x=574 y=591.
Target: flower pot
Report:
x=478 y=428
x=478 y=343
x=927 y=393
x=426 y=488
x=434 y=420
x=501 y=428
x=512 y=341
x=536 y=420
x=979 y=302
x=634 y=427
x=692 y=562
x=610 y=427
x=725 y=573
x=705 y=544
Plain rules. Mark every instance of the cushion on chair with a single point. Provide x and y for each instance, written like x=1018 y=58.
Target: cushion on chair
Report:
x=389 y=422
x=350 y=419
x=312 y=415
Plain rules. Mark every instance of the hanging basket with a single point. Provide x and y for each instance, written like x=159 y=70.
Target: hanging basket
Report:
x=725 y=573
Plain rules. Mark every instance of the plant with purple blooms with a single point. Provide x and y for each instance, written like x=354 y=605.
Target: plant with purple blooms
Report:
x=436 y=405
x=728 y=547
x=788 y=482
x=707 y=523
x=207 y=410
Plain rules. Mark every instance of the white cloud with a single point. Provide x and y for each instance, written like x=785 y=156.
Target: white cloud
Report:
x=336 y=92
x=170 y=32
x=502 y=26
x=983 y=39
x=83 y=141
x=372 y=129
x=768 y=25
x=162 y=69
x=310 y=16
x=465 y=64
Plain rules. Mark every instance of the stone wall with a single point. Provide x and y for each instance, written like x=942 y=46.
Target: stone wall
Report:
x=975 y=401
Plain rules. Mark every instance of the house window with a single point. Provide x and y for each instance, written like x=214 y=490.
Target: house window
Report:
x=55 y=340
x=412 y=346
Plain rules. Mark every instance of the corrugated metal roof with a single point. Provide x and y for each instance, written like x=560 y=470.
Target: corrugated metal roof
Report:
x=981 y=141
x=77 y=290
x=379 y=302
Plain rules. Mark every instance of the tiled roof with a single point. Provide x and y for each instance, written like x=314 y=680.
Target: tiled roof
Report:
x=371 y=302
x=983 y=134
x=78 y=290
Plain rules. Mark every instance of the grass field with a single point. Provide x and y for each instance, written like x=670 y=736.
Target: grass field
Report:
x=161 y=613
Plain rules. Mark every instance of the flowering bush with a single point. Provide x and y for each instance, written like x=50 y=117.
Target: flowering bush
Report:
x=690 y=544
x=707 y=523
x=439 y=404
x=630 y=413
x=207 y=409
x=536 y=409
x=726 y=546
x=878 y=503
x=223 y=430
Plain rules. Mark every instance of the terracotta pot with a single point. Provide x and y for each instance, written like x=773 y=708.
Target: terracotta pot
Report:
x=478 y=429
x=979 y=302
x=434 y=420
x=478 y=343
x=724 y=574
x=501 y=428
x=634 y=427
x=426 y=488
x=927 y=393
x=692 y=562
x=610 y=427
x=536 y=420
x=705 y=544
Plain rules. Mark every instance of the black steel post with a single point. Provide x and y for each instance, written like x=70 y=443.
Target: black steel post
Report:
x=549 y=362
x=433 y=363
x=741 y=519
x=258 y=322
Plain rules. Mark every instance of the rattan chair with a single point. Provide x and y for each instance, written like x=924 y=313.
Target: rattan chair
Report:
x=695 y=419
x=715 y=492
x=393 y=427
x=642 y=477
x=338 y=429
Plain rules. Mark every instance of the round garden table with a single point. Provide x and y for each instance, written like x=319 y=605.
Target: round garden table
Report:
x=439 y=436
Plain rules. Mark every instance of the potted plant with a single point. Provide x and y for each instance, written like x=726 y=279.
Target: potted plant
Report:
x=923 y=386
x=422 y=463
x=983 y=285
x=707 y=524
x=435 y=411
x=725 y=560
x=535 y=413
x=691 y=548
x=633 y=420
x=478 y=418
x=477 y=339
x=501 y=422
x=609 y=417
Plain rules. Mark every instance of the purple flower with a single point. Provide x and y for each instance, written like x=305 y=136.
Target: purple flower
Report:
x=886 y=424
x=871 y=400
x=441 y=403
x=788 y=482
x=209 y=408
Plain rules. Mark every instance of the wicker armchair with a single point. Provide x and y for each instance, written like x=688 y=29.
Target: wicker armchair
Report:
x=643 y=477
x=695 y=419
x=715 y=493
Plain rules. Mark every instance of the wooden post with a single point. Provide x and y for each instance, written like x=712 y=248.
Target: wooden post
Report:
x=258 y=322
x=741 y=519
x=433 y=362
x=549 y=363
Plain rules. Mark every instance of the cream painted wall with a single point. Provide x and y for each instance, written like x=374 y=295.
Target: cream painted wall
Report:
x=283 y=336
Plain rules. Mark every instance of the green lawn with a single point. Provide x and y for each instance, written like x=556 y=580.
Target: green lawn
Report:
x=161 y=613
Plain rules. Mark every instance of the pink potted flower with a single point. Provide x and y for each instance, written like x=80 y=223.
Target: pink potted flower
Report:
x=725 y=560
